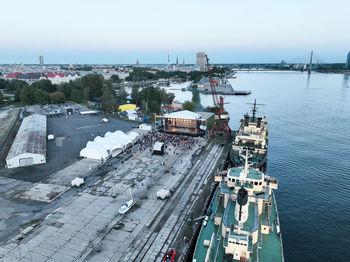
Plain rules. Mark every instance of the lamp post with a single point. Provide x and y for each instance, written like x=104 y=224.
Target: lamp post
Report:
x=154 y=121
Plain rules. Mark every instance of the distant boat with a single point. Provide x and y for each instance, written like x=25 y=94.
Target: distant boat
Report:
x=127 y=205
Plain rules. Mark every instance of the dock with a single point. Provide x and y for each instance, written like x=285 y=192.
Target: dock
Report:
x=227 y=91
x=88 y=227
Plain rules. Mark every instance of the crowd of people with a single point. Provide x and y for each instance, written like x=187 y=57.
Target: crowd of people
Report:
x=150 y=138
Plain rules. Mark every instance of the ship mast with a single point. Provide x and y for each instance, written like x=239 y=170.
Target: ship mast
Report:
x=255 y=109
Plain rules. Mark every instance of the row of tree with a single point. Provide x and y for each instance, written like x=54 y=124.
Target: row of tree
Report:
x=145 y=73
x=87 y=88
x=43 y=92
x=151 y=98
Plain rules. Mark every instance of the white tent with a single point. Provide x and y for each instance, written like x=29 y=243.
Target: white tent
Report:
x=94 y=152
x=111 y=144
x=132 y=115
x=133 y=135
x=158 y=148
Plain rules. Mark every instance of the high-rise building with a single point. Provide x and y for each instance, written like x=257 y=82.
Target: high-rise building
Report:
x=201 y=61
x=137 y=62
x=348 y=61
x=41 y=60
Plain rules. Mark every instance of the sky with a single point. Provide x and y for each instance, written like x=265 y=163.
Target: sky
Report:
x=119 y=32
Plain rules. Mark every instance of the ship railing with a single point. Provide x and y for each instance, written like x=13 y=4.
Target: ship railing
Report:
x=278 y=222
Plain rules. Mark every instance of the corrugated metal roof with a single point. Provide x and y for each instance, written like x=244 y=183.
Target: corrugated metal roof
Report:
x=31 y=137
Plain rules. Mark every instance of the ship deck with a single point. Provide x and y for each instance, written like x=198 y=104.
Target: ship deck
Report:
x=270 y=246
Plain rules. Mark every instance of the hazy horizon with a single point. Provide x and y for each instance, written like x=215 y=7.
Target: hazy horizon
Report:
x=120 y=32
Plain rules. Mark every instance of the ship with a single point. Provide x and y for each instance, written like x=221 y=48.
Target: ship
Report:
x=242 y=222
x=252 y=135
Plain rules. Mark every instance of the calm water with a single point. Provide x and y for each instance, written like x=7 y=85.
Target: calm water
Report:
x=309 y=152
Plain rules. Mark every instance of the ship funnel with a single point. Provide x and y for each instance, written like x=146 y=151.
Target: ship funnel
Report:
x=246 y=120
x=241 y=212
x=242 y=196
x=258 y=124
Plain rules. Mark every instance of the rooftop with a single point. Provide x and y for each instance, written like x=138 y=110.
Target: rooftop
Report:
x=31 y=137
x=185 y=114
x=252 y=173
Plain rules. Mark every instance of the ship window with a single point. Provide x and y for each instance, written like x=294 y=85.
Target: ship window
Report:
x=256 y=183
x=234 y=180
x=260 y=183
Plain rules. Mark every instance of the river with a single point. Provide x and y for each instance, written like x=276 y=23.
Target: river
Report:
x=309 y=143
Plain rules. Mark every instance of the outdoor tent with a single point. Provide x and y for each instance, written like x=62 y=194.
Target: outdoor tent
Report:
x=126 y=107
x=133 y=135
x=112 y=144
x=158 y=148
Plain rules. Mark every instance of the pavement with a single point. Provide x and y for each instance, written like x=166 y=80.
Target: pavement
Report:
x=71 y=135
x=19 y=193
x=88 y=227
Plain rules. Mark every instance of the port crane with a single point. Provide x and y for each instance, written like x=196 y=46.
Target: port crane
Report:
x=221 y=117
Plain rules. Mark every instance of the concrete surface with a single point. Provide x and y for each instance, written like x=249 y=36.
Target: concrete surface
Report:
x=89 y=227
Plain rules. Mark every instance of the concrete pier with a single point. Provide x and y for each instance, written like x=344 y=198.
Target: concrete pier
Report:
x=89 y=228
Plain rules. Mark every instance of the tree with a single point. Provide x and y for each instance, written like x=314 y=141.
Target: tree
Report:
x=136 y=95
x=1 y=98
x=17 y=94
x=166 y=98
x=45 y=85
x=189 y=105
x=27 y=95
x=122 y=96
x=76 y=95
x=108 y=101
x=40 y=96
x=196 y=97
x=154 y=107
x=144 y=106
x=58 y=97
x=15 y=84
x=4 y=84
x=66 y=88
x=115 y=79
x=92 y=84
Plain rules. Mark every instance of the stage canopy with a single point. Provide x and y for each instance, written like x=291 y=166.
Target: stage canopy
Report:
x=185 y=114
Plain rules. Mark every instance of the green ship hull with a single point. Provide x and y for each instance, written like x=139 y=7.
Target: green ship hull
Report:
x=223 y=238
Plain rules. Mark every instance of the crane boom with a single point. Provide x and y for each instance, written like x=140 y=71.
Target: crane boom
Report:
x=212 y=86
x=222 y=117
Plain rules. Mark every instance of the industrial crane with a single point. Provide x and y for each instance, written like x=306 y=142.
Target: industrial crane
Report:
x=221 y=117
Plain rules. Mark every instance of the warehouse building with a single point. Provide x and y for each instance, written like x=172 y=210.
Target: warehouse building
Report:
x=29 y=146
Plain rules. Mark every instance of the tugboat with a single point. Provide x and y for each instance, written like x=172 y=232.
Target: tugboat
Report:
x=252 y=135
x=243 y=222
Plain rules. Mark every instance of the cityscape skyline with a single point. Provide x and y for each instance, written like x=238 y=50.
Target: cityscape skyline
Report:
x=119 y=33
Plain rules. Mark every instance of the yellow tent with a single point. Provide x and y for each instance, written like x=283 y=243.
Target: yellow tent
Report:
x=127 y=107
